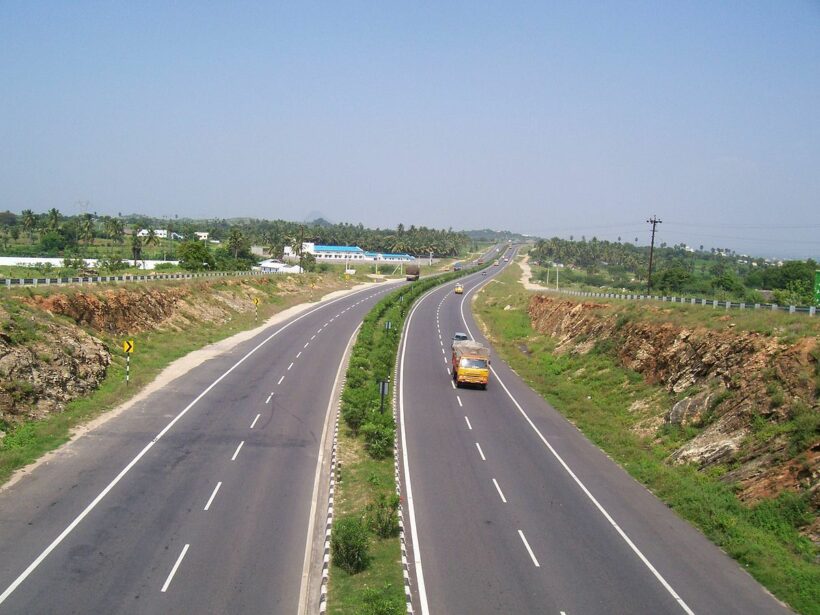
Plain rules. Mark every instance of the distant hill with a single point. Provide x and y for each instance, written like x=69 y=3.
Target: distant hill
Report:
x=491 y=235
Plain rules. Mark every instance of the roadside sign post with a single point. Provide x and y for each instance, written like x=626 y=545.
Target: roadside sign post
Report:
x=128 y=349
x=256 y=306
x=383 y=387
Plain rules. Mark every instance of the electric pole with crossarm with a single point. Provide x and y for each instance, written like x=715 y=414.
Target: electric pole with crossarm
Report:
x=654 y=222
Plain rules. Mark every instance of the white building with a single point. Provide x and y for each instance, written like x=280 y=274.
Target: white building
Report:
x=202 y=235
x=345 y=254
x=159 y=233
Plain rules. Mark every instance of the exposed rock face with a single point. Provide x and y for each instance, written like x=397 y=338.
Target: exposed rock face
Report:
x=736 y=380
x=41 y=377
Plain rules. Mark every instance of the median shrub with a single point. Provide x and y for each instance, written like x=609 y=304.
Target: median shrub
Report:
x=383 y=515
x=378 y=438
x=349 y=543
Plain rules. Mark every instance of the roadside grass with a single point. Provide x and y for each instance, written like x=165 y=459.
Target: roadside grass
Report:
x=154 y=351
x=595 y=393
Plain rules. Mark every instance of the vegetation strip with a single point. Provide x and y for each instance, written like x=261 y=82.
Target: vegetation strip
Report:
x=599 y=395
x=367 y=555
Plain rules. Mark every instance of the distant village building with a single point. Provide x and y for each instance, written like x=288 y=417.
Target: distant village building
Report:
x=159 y=233
x=202 y=235
x=341 y=254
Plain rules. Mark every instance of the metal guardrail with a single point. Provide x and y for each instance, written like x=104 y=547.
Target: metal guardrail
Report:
x=713 y=303
x=102 y=279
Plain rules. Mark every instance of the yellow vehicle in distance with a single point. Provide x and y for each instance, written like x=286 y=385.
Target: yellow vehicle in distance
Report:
x=459 y=289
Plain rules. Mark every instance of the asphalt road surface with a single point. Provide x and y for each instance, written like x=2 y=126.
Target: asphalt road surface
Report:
x=512 y=510
x=197 y=499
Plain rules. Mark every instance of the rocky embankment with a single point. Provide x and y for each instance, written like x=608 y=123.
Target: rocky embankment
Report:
x=749 y=400
x=56 y=347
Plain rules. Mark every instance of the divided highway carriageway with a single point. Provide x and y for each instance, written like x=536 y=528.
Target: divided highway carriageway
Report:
x=195 y=500
x=511 y=510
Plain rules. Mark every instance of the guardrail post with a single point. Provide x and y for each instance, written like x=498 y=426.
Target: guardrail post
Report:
x=791 y=309
x=693 y=300
x=774 y=307
x=742 y=306
x=812 y=310
x=714 y=303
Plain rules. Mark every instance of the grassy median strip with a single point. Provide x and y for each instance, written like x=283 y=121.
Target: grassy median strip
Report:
x=595 y=392
x=366 y=575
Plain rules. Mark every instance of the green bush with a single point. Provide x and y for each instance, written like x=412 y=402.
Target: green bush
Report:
x=349 y=544
x=383 y=516
x=378 y=438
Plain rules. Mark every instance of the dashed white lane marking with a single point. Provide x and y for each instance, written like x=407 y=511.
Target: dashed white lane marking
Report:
x=445 y=360
x=213 y=495
x=291 y=365
x=459 y=401
x=254 y=421
x=320 y=330
x=449 y=372
x=480 y=452
x=280 y=380
x=526 y=544
x=298 y=354
x=451 y=382
x=500 y=493
x=326 y=324
x=174 y=569
x=442 y=351
x=577 y=480
x=469 y=426
x=307 y=343
x=313 y=337
x=267 y=401
x=238 y=448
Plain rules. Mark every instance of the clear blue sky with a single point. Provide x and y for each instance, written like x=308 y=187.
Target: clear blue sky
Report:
x=548 y=118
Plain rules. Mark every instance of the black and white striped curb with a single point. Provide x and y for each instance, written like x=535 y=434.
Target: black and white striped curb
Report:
x=335 y=466
x=405 y=567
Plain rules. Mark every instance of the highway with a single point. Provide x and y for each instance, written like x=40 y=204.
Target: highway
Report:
x=195 y=500
x=510 y=509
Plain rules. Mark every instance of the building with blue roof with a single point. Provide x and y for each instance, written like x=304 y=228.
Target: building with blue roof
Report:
x=346 y=254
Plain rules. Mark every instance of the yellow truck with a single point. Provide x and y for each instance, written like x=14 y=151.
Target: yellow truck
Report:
x=471 y=363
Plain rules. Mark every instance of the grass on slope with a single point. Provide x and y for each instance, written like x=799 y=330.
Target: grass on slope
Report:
x=155 y=350
x=596 y=394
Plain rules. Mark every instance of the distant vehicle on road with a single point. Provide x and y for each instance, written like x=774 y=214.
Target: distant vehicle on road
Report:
x=496 y=262
x=459 y=289
x=471 y=363
x=459 y=337
x=457 y=266
x=411 y=272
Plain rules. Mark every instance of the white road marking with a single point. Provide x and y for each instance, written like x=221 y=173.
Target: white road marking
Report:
x=280 y=381
x=480 y=452
x=445 y=360
x=254 y=421
x=459 y=401
x=320 y=462
x=291 y=365
x=307 y=343
x=442 y=351
x=267 y=401
x=469 y=426
x=451 y=382
x=313 y=337
x=320 y=330
x=325 y=324
x=503 y=499
x=213 y=495
x=298 y=354
x=238 y=448
x=174 y=569
x=577 y=480
x=449 y=372
x=93 y=504
x=526 y=544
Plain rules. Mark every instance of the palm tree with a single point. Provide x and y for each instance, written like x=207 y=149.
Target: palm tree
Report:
x=151 y=238
x=235 y=241
x=29 y=222
x=87 y=229
x=136 y=247
x=53 y=219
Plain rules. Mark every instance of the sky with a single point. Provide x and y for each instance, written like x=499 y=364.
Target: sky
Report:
x=564 y=118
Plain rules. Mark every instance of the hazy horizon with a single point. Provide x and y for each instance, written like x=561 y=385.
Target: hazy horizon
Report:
x=543 y=119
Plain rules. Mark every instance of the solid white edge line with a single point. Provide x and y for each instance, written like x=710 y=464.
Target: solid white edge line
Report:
x=213 y=495
x=480 y=452
x=254 y=421
x=577 y=480
x=500 y=493
x=320 y=460
x=411 y=509
x=174 y=569
x=469 y=426
x=47 y=551
x=238 y=448
x=529 y=550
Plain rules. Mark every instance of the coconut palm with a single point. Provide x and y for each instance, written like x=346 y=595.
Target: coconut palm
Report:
x=29 y=222
x=53 y=219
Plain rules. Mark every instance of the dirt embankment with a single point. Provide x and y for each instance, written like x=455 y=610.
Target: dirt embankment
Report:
x=55 y=347
x=748 y=400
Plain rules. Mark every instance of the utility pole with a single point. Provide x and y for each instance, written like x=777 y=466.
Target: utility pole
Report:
x=302 y=248
x=654 y=222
